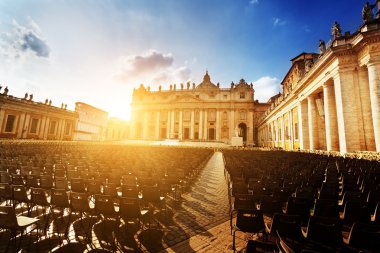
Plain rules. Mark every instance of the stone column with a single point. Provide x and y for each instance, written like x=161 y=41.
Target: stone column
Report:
x=346 y=109
x=366 y=110
x=313 y=122
x=232 y=123
x=290 y=128
x=332 y=134
x=171 y=135
x=180 y=126
x=168 y=125
x=374 y=88
x=303 y=122
x=200 y=136
x=205 y=126
x=283 y=131
x=192 y=125
x=158 y=125
x=217 y=125
x=145 y=126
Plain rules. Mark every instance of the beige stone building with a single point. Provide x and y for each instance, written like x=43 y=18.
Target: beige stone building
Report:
x=204 y=112
x=23 y=118
x=92 y=123
x=331 y=100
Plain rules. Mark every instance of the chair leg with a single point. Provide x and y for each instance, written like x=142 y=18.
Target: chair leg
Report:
x=233 y=241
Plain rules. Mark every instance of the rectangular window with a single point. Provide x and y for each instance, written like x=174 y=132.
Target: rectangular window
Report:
x=52 y=126
x=33 y=126
x=211 y=115
x=242 y=94
x=11 y=120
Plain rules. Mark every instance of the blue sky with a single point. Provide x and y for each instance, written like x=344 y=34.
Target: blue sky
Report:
x=96 y=51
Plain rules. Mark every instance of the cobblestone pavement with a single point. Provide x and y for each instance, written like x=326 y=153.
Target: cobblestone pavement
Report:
x=199 y=217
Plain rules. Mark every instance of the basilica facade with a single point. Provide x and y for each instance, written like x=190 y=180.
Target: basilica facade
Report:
x=331 y=100
x=203 y=112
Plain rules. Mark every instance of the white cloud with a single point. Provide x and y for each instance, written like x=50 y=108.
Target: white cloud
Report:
x=254 y=1
x=24 y=41
x=151 y=68
x=278 y=21
x=266 y=87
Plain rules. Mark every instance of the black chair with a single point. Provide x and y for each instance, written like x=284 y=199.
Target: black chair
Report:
x=299 y=206
x=13 y=223
x=130 y=210
x=46 y=182
x=105 y=211
x=17 y=179
x=152 y=195
x=364 y=237
x=39 y=199
x=284 y=224
x=324 y=230
x=5 y=192
x=20 y=196
x=270 y=205
x=58 y=203
x=79 y=203
x=241 y=201
x=248 y=221
x=356 y=211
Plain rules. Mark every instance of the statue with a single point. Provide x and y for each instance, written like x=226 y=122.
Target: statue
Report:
x=367 y=14
x=148 y=88
x=232 y=85
x=62 y=106
x=218 y=84
x=174 y=87
x=1 y=87
x=6 y=90
x=336 y=31
x=65 y=106
x=50 y=102
x=171 y=87
x=159 y=88
x=193 y=86
x=46 y=101
x=181 y=86
x=30 y=97
x=188 y=85
x=26 y=96
x=322 y=46
x=308 y=65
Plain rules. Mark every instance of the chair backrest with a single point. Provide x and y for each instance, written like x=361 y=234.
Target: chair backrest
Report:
x=5 y=191
x=284 y=224
x=110 y=189
x=365 y=236
x=59 y=198
x=60 y=183
x=243 y=201
x=17 y=179
x=38 y=196
x=46 y=181
x=270 y=205
x=104 y=204
x=326 y=208
x=356 y=212
x=79 y=202
x=151 y=194
x=77 y=185
x=32 y=181
x=8 y=218
x=324 y=230
x=93 y=186
x=251 y=221
x=19 y=193
x=129 y=191
x=129 y=208
x=298 y=206
x=5 y=177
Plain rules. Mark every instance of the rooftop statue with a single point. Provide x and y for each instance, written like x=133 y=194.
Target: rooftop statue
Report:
x=26 y=96
x=50 y=102
x=188 y=85
x=159 y=88
x=46 y=101
x=322 y=46
x=6 y=91
x=336 y=31
x=181 y=86
x=30 y=97
x=367 y=13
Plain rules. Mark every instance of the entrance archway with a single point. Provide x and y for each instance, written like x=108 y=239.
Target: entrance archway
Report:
x=243 y=131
